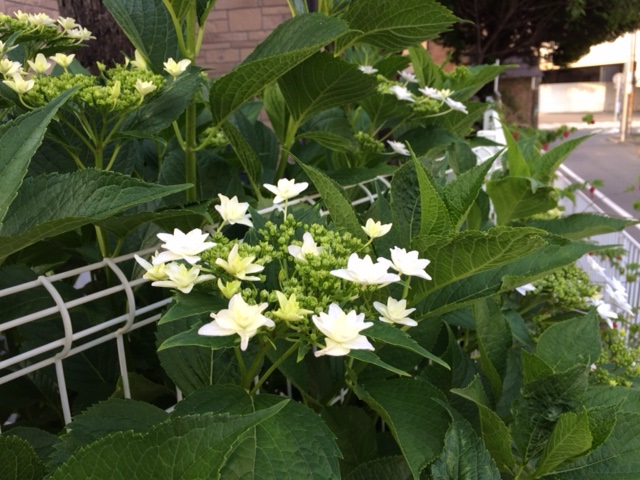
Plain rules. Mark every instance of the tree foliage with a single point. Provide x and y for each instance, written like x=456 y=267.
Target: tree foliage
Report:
x=507 y=28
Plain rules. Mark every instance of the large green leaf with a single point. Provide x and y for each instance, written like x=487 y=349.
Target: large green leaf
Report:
x=52 y=204
x=394 y=24
x=627 y=399
x=322 y=82
x=518 y=166
x=570 y=438
x=248 y=157
x=465 y=86
x=582 y=225
x=18 y=460
x=148 y=25
x=571 y=342
x=20 y=138
x=465 y=456
x=41 y=440
x=518 y=197
x=382 y=107
x=195 y=303
x=183 y=447
x=544 y=166
x=339 y=206
x=411 y=409
x=434 y=214
x=428 y=73
x=102 y=419
x=290 y=44
x=618 y=457
x=387 y=468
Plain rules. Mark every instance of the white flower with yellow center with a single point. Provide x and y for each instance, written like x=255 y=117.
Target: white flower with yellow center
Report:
x=408 y=77
x=139 y=62
x=402 y=93
x=181 y=246
x=19 y=84
x=375 y=229
x=408 y=263
x=80 y=34
x=290 y=308
x=399 y=147
x=431 y=93
x=239 y=319
x=182 y=278
x=40 y=20
x=68 y=23
x=153 y=272
x=22 y=16
x=453 y=105
x=174 y=68
x=8 y=68
x=63 y=60
x=286 y=189
x=342 y=331
x=233 y=211
x=229 y=289
x=39 y=64
x=144 y=88
x=365 y=272
x=368 y=69
x=308 y=247
x=395 y=311
x=239 y=267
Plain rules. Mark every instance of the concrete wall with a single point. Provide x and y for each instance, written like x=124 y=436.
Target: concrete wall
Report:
x=580 y=97
x=233 y=30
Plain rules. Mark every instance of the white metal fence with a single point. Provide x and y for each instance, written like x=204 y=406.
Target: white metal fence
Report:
x=74 y=342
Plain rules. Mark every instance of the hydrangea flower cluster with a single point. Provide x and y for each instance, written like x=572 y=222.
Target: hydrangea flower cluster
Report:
x=307 y=283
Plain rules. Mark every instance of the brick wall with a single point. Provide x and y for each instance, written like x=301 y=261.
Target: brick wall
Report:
x=233 y=30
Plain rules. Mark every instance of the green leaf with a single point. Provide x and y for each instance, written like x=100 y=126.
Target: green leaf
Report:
x=627 y=399
x=388 y=24
x=461 y=193
x=18 y=460
x=102 y=419
x=571 y=342
x=298 y=7
x=276 y=109
x=337 y=202
x=41 y=440
x=495 y=433
x=465 y=456
x=434 y=214
x=466 y=86
x=322 y=82
x=148 y=25
x=191 y=338
x=518 y=166
x=182 y=447
x=248 y=157
x=518 y=197
x=544 y=167
x=602 y=420
x=411 y=409
x=582 y=225
x=534 y=367
x=395 y=336
x=494 y=342
x=459 y=123
x=618 y=457
x=288 y=45
x=181 y=7
x=49 y=205
x=428 y=73
x=20 y=138
x=382 y=107
x=570 y=438
x=370 y=357
x=331 y=140
x=195 y=303
x=387 y=468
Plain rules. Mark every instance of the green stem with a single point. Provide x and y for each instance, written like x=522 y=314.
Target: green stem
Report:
x=178 y=134
x=273 y=367
x=113 y=157
x=102 y=242
x=243 y=368
x=177 y=26
x=190 y=153
x=257 y=361
x=290 y=137
x=80 y=135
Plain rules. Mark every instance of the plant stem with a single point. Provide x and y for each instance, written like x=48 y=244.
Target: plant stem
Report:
x=190 y=153
x=243 y=367
x=273 y=367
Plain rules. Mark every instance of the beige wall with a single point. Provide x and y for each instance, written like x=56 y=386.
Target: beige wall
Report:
x=233 y=30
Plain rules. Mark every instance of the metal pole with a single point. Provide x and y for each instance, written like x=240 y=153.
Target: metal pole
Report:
x=629 y=84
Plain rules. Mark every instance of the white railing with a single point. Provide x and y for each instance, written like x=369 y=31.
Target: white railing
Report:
x=74 y=342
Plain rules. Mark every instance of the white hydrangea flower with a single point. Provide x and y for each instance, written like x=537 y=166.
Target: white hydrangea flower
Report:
x=524 y=289
x=365 y=272
x=153 y=272
x=19 y=84
x=239 y=319
x=139 y=62
x=67 y=23
x=174 y=68
x=402 y=93
x=431 y=93
x=290 y=308
x=342 y=331
x=80 y=34
x=399 y=147
x=408 y=77
x=233 y=211
x=368 y=69
x=144 y=88
x=308 y=247
x=618 y=294
x=239 y=267
x=63 y=60
x=375 y=229
x=408 y=263
x=181 y=246
x=596 y=267
x=8 y=68
x=454 y=105
x=40 y=20
x=395 y=311
x=286 y=189
x=182 y=278
x=39 y=64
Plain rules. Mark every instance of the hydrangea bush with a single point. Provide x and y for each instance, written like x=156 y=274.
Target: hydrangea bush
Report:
x=382 y=341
